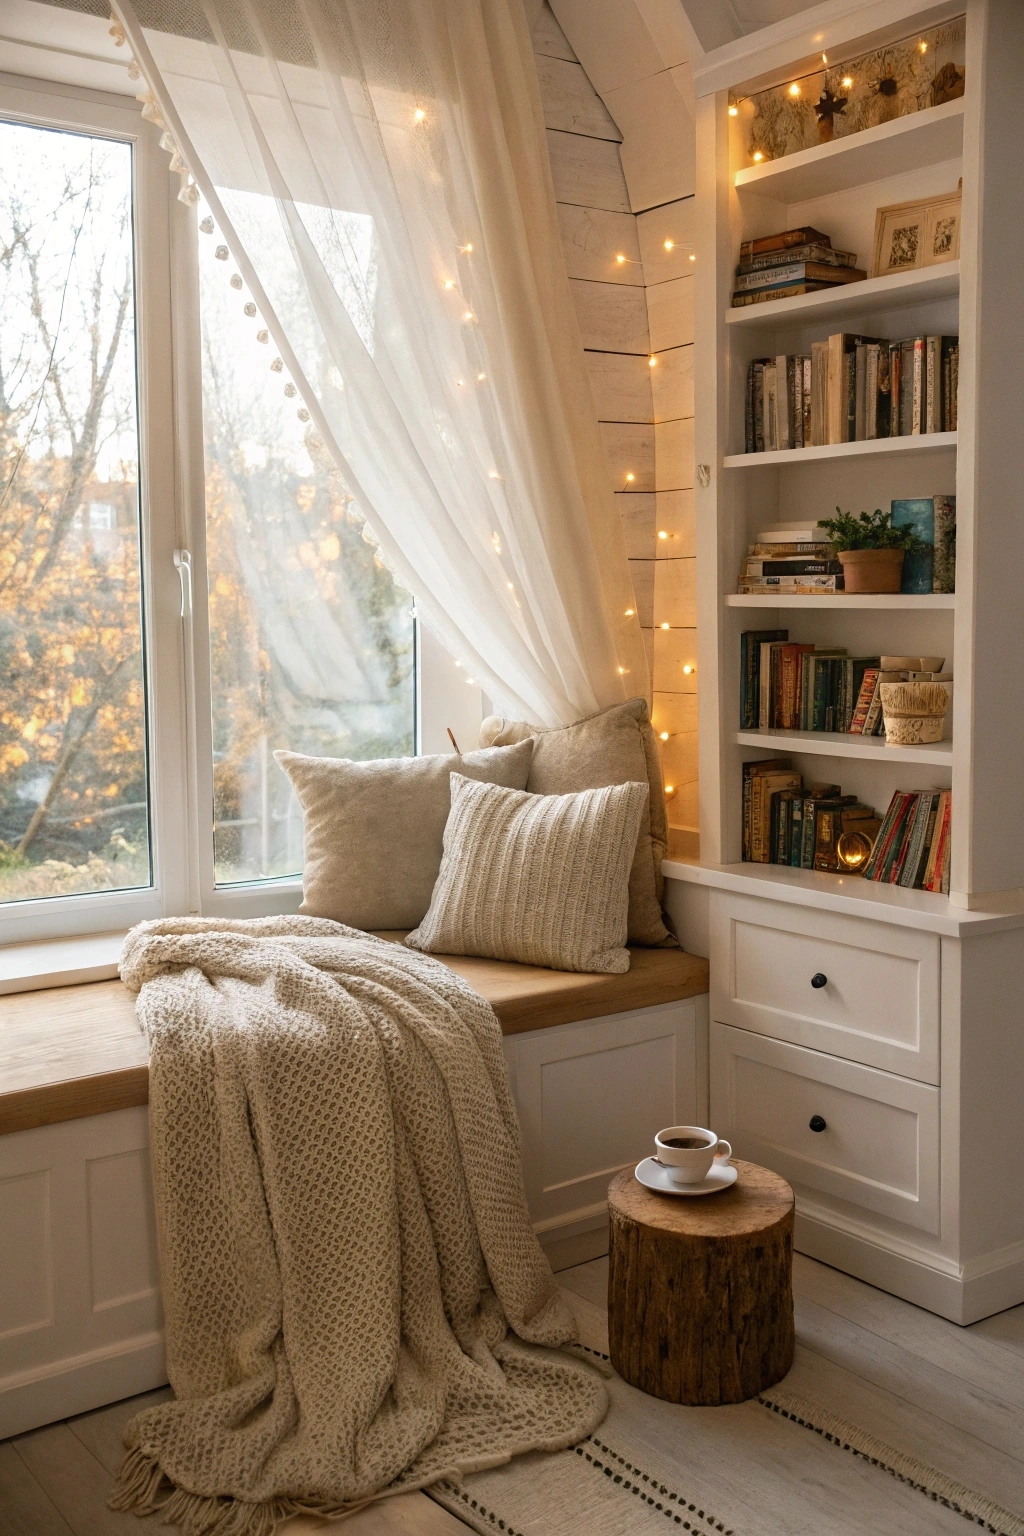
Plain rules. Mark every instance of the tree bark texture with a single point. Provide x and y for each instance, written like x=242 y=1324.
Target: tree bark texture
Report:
x=700 y=1299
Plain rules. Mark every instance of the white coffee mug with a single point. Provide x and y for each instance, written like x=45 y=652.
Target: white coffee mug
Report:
x=688 y=1151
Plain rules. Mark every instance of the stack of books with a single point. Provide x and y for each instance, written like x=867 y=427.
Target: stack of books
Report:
x=788 y=822
x=912 y=845
x=791 y=557
x=852 y=389
x=787 y=686
x=793 y=262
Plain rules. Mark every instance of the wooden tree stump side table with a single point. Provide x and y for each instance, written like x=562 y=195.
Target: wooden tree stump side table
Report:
x=700 y=1295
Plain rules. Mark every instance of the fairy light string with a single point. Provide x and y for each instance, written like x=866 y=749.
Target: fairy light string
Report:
x=189 y=194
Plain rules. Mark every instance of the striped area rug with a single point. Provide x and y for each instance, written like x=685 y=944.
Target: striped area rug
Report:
x=776 y=1466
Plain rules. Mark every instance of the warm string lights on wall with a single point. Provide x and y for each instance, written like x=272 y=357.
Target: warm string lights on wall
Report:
x=829 y=103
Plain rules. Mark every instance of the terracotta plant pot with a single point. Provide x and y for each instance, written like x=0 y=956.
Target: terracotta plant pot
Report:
x=871 y=570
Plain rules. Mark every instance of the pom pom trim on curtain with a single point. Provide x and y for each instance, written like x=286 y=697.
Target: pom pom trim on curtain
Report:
x=380 y=172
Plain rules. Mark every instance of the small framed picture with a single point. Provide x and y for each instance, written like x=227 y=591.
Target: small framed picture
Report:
x=919 y=234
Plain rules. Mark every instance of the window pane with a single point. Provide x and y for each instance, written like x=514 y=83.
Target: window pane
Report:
x=74 y=812
x=311 y=642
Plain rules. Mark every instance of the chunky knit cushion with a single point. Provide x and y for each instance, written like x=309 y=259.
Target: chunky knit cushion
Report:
x=613 y=747
x=542 y=879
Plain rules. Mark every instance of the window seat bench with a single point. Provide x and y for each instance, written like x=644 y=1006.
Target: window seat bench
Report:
x=596 y=1064
x=68 y=1052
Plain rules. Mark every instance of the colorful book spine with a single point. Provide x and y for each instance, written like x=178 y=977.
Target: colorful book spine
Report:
x=944 y=568
x=869 y=683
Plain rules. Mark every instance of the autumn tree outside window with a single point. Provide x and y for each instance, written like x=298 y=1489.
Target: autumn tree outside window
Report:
x=139 y=413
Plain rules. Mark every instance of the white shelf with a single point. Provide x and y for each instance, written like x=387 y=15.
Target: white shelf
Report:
x=849 y=301
x=923 y=138
x=873 y=448
x=876 y=600
x=841 y=744
x=851 y=894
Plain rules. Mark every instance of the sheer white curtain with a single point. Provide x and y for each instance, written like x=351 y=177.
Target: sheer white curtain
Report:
x=380 y=173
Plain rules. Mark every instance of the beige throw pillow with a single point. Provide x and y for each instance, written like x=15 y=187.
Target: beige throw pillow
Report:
x=542 y=879
x=615 y=747
x=374 y=832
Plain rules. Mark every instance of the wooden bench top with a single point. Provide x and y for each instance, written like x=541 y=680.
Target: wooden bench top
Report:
x=67 y=1052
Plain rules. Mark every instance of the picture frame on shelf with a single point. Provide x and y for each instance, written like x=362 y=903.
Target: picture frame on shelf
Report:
x=923 y=233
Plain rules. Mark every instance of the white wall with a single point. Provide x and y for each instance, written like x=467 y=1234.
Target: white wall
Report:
x=618 y=71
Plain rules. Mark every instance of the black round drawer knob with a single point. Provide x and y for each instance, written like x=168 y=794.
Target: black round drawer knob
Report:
x=819 y=980
x=817 y=1123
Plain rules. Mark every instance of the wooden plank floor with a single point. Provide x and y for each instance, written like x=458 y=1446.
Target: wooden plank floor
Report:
x=953 y=1397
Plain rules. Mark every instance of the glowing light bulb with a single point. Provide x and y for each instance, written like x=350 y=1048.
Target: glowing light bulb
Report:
x=666 y=626
x=670 y=245
x=670 y=790
x=662 y=534
x=418 y=115
x=468 y=315
x=622 y=671
x=688 y=669
x=652 y=361
x=794 y=89
x=620 y=259
x=847 y=81
x=824 y=58
x=734 y=111
x=480 y=377
x=460 y=382
x=493 y=475
x=630 y=612
x=758 y=156
x=449 y=282
x=692 y=256
x=923 y=46
x=630 y=478
x=466 y=248
x=663 y=735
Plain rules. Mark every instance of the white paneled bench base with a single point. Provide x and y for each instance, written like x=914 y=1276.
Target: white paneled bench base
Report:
x=598 y=1063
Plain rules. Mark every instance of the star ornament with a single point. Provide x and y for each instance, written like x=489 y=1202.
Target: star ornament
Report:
x=828 y=105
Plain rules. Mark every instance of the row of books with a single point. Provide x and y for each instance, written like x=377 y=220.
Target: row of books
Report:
x=796 y=261
x=788 y=822
x=852 y=389
x=797 y=557
x=788 y=686
x=818 y=827
x=911 y=847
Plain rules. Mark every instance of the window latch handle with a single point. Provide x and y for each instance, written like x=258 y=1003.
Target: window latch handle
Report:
x=183 y=565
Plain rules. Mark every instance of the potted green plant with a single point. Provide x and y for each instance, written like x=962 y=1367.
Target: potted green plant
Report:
x=869 y=549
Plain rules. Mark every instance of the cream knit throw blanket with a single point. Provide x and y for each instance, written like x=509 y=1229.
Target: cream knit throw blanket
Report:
x=348 y=1264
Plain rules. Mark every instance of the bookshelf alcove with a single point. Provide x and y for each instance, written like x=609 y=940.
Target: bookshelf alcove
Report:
x=911 y=1054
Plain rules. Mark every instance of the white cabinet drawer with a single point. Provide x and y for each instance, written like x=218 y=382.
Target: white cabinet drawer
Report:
x=878 y=1003
x=879 y=1148
x=591 y=1096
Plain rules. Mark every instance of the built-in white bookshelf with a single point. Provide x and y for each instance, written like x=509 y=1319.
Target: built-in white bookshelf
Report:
x=865 y=1038
x=837 y=188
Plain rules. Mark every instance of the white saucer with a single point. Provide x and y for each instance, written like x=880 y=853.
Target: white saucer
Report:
x=654 y=1175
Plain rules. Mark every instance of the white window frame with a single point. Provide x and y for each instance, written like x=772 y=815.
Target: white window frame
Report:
x=173 y=518
x=46 y=105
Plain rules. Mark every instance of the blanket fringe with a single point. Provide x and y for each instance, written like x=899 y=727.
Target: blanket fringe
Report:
x=141 y=1481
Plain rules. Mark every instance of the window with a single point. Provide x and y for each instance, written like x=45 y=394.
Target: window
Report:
x=141 y=416
x=74 y=782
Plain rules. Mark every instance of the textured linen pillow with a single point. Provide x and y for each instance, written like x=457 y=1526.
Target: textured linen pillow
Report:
x=616 y=746
x=374 y=832
x=542 y=879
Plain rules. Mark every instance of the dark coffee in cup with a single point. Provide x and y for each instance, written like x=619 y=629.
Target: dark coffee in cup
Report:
x=690 y=1142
